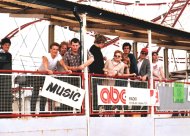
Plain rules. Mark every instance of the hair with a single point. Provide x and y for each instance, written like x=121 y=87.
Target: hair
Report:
x=53 y=44
x=126 y=44
x=64 y=43
x=100 y=39
x=118 y=51
x=5 y=40
x=154 y=52
x=75 y=40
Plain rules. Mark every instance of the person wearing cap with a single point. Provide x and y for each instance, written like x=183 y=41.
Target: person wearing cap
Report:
x=144 y=72
x=158 y=72
x=143 y=65
x=6 y=97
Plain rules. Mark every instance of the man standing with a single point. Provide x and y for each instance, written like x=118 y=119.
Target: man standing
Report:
x=144 y=65
x=143 y=74
x=49 y=63
x=72 y=57
x=97 y=66
x=158 y=72
x=5 y=80
x=133 y=63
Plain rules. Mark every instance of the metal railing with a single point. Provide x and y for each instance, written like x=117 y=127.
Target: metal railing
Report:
x=19 y=95
x=168 y=103
x=115 y=109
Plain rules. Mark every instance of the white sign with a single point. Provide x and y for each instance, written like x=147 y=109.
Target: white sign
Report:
x=115 y=95
x=138 y=96
x=63 y=92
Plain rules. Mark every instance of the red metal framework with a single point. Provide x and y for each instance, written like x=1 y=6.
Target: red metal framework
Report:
x=174 y=13
x=171 y=17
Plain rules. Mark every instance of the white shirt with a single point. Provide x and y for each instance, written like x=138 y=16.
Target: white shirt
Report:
x=52 y=62
x=139 y=65
x=156 y=67
x=2 y=51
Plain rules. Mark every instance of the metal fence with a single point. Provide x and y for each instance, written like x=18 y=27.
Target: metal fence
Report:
x=112 y=110
x=168 y=104
x=19 y=95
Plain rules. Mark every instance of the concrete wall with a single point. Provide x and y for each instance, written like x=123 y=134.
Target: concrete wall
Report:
x=57 y=126
x=98 y=126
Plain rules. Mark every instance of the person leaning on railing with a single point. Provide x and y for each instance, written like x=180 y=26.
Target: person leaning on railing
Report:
x=143 y=74
x=49 y=63
x=158 y=72
x=113 y=67
x=97 y=66
x=126 y=61
x=6 y=97
x=72 y=57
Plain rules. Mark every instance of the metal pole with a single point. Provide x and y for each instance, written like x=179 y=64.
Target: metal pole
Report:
x=76 y=14
x=166 y=69
x=51 y=35
x=150 y=58
x=151 y=68
x=84 y=39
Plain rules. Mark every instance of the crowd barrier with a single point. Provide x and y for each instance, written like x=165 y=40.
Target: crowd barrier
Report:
x=20 y=95
x=109 y=89
x=174 y=98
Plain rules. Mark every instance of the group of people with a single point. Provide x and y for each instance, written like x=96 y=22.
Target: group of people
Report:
x=123 y=62
x=66 y=57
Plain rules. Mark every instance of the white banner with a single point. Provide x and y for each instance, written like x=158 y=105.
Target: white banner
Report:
x=62 y=92
x=115 y=95
x=138 y=96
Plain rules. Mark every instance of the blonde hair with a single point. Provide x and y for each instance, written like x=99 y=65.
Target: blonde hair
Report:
x=100 y=39
x=118 y=51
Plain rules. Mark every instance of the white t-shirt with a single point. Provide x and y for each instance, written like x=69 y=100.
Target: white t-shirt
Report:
x=156 y=67
x=52 y=62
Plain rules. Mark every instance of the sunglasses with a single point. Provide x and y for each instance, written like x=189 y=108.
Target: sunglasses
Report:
x=144 y=53
x=117 y=56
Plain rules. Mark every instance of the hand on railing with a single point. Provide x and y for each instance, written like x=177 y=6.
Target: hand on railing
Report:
x=69 y=71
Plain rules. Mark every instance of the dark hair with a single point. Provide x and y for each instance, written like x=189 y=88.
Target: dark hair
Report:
x=100 y=39
x=126 y=44
x=154 y=52
x=54 y=44
x=75 y=40
x=5 y=40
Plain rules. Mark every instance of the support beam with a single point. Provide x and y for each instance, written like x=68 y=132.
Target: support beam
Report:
x=51 y=35
x=135 y=51
x=166 y=69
